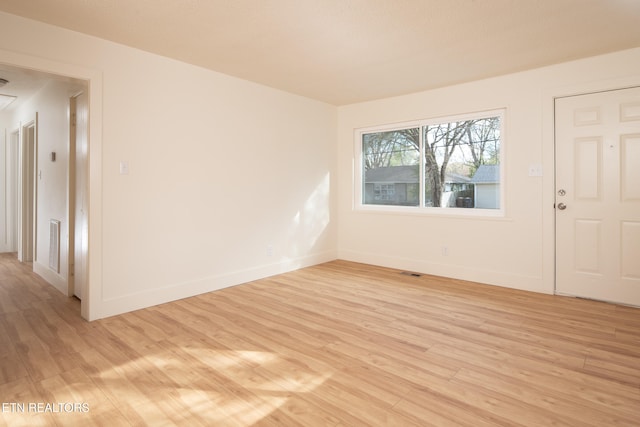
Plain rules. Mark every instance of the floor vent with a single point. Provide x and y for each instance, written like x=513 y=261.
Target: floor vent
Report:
x=412 y=274
x=54 y=245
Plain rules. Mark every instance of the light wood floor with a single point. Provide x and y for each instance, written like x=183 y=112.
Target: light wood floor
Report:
x=340 y=344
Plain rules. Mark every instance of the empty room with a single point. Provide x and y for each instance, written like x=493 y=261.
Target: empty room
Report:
x=320 y=213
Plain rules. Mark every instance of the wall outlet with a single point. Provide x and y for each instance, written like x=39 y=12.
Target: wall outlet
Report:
x=269 y=250
x=445 y=251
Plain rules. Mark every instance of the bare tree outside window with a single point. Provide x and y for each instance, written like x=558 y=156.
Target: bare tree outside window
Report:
x=455 y=151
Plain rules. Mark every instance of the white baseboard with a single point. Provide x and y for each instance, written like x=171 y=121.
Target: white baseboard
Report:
x=485 y=276
x=53 y=278
x=140 y=300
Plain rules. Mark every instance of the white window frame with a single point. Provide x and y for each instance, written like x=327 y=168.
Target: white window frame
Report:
x=421 y=209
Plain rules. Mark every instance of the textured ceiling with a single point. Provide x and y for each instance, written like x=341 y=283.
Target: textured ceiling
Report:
x=345 y=51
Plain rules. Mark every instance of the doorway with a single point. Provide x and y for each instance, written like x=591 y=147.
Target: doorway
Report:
x=598 y=195
x=88 y=80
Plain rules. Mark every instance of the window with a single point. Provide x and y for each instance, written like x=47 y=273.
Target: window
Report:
x=433 y=164
x=391 y=168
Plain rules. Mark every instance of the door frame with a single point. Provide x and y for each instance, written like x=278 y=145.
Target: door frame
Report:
x=28 y=191
x=12 y=167
x=549 y=97
x=92 y=302
x=77 y=259
x=71 y=191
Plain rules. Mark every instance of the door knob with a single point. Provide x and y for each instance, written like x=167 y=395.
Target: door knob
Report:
x=562 y=206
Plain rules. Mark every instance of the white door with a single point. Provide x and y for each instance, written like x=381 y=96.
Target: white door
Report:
x=81 y=229
x=598 y=196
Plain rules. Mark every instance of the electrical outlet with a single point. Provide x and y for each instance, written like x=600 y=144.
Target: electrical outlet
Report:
x=270 y=250
x=445 y=251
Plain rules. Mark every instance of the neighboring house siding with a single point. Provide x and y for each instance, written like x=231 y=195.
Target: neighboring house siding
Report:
x=392 y=185
x=399 y=186
x=487 y=187
x=400 y=194
x=487 y=196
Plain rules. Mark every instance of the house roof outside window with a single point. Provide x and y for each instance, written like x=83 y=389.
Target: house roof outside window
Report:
x=487 y=174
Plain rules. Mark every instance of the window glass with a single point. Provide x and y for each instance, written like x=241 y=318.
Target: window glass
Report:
x=391 y=165
x=449 y=163
x=462 y=164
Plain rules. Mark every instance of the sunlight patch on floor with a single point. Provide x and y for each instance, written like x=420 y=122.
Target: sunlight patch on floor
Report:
x=204 y=378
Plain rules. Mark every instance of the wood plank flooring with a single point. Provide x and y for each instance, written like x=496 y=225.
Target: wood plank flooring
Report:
x=339 y=344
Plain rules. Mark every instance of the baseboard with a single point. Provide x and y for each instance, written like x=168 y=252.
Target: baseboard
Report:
x=53 y=278
x=140 y=300
x=485 y=276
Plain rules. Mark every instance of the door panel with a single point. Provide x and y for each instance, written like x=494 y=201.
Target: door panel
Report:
x=630 y=171
x=630 y=249
x=588 y=171
x=588 y=237
x=598 y=196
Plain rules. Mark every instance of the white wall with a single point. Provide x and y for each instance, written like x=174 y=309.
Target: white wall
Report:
x=515 y=251
x=229 y=181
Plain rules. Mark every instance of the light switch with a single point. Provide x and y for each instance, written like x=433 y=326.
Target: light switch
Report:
x=124 y=167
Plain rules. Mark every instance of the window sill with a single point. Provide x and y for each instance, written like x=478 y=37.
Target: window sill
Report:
x=453 y=213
